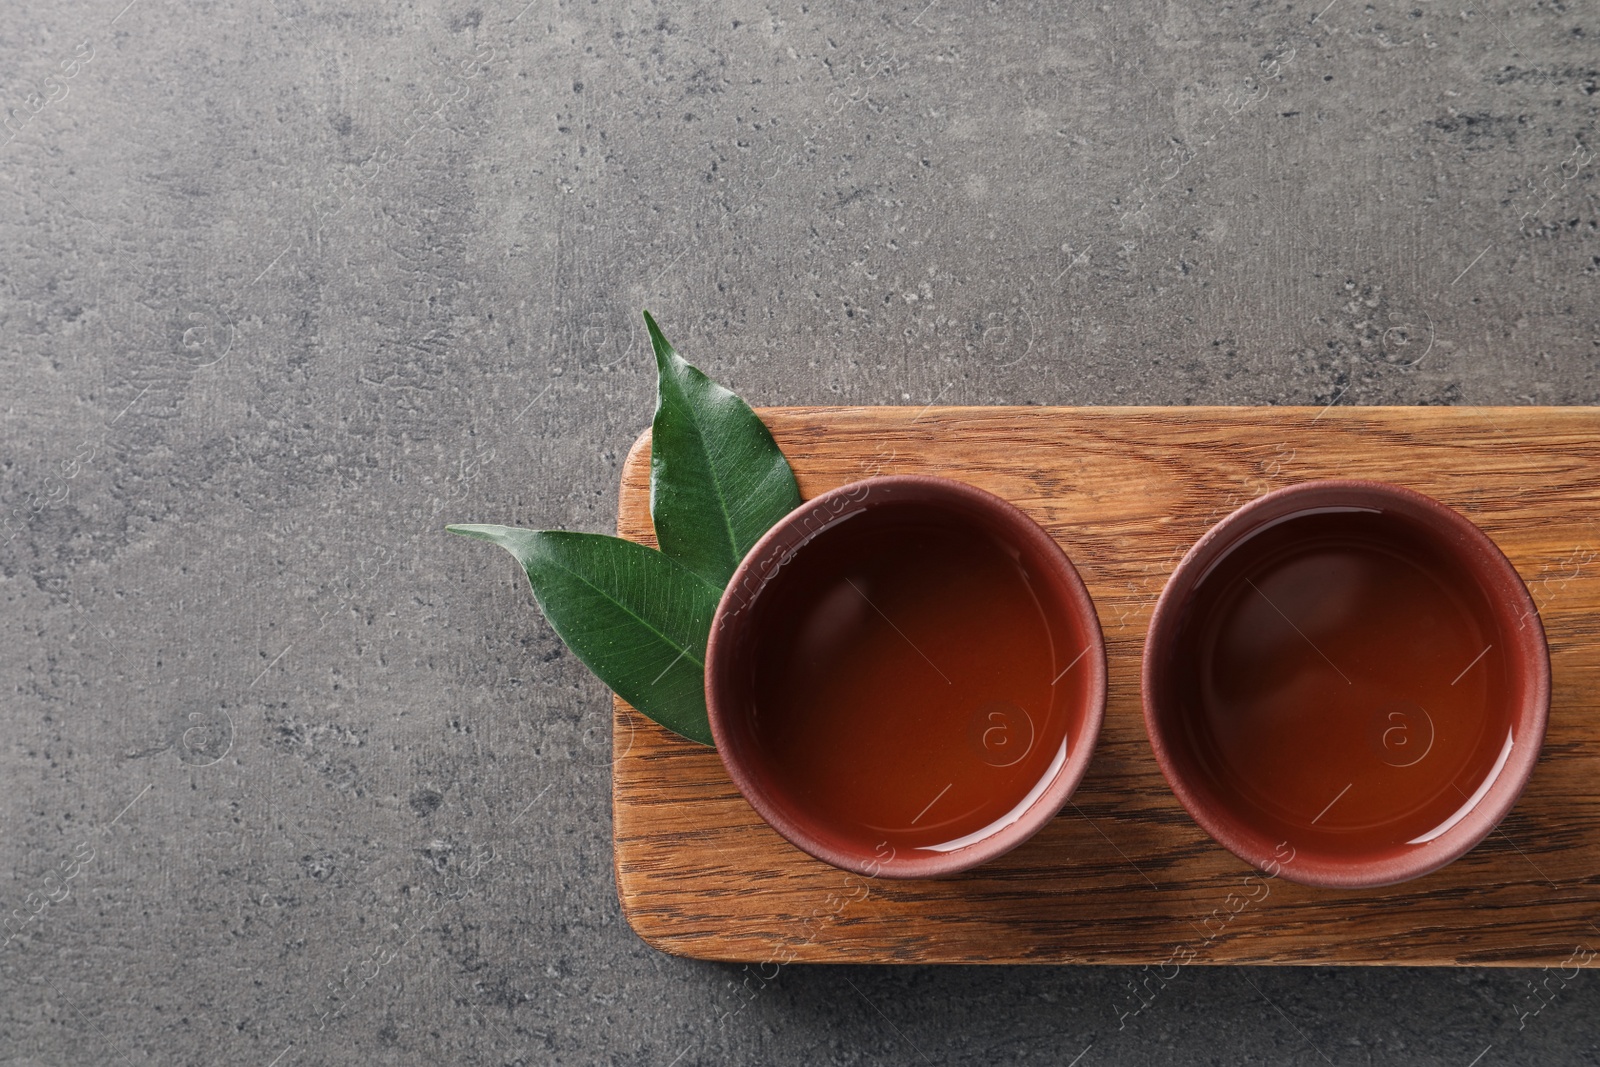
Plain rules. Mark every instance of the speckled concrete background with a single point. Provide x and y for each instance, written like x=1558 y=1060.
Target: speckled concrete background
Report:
x=290 y=777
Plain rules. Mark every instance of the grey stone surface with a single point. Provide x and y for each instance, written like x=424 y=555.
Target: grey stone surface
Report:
x=290 y=777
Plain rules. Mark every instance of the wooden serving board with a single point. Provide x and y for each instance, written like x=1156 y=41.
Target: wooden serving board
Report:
x=1123 y=875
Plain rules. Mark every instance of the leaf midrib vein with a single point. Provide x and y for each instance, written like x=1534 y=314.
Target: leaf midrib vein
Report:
x=669 y=641
x=716 y=482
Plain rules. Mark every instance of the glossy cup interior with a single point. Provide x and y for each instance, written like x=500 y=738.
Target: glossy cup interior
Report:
x=778 y=581
x=1182 y=674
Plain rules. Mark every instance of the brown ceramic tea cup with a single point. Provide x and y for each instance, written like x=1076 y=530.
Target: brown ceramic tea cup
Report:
x=906 y=677
x=1346 y=683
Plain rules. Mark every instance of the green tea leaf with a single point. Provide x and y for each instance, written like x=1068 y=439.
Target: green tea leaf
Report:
x=636 y=618
x=717 y=478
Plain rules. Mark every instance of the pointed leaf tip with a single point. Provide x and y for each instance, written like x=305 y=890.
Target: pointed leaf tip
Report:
x=637 y=619
x=480 y=531
x=514 y=539
x=718 y=480
x=658 y=341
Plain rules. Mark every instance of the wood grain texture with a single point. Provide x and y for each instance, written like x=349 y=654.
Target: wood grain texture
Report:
x=1123 y=875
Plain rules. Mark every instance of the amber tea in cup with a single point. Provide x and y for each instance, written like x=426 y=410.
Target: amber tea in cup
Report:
x=907 y=679
x=1350 y=674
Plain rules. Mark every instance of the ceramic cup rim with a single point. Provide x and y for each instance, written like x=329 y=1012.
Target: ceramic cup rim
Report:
x=1496 y=577
x=729 y=628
